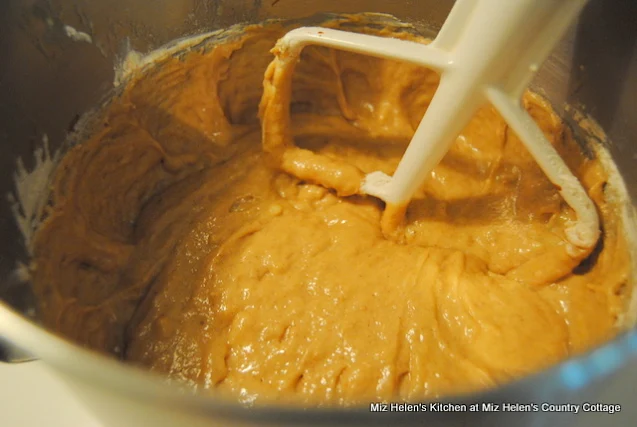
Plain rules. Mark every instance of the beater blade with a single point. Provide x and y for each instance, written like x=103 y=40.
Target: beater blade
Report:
x=487 y=51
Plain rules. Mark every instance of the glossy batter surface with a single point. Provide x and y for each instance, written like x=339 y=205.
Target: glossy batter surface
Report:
x=176 y=244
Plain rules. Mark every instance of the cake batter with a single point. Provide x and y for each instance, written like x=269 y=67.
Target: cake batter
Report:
x=175 y=243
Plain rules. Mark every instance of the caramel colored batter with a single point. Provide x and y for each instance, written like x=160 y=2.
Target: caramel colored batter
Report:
x=176 y=244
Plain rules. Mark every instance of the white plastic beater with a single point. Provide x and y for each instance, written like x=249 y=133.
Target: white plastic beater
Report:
x=487 y=50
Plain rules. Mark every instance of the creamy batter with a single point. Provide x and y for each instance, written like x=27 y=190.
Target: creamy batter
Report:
x=175 y=243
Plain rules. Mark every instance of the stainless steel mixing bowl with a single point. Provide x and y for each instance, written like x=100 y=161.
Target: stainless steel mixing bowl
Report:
x=48 y=79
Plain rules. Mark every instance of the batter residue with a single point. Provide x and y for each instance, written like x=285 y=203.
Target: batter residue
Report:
x=174 y=243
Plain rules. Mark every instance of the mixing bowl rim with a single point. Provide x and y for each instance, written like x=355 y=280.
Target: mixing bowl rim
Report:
x=127 y=380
